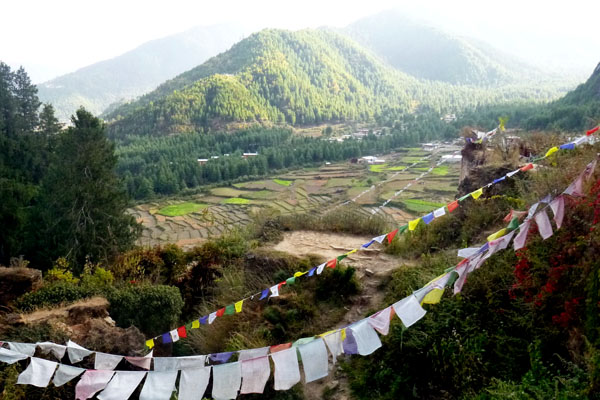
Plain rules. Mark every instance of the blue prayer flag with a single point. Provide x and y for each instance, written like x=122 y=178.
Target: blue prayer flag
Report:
x=567 y=146
x=204 y=319
x=264 y=294
x=166 y=337
x=312 y=271
x=428 y=218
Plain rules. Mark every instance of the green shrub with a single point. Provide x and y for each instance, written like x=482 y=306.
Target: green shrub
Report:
x=337 y=285
x=153 y=309
x=56 y=293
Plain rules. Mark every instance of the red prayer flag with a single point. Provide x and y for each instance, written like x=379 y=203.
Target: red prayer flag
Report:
x=527 y=167
x=181 y=331
x=594 y=130
x=390 y=236
x=279 y=347
x=331 y=263
x=464 y=260
x=221 y=312
x=280 y=284
x=452 y=206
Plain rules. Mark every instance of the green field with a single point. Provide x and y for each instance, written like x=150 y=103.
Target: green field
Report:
x=176 y=210
x=442 y=170
x=377 y=168
x=418 y=206
x=282 y=182
x=236 y=200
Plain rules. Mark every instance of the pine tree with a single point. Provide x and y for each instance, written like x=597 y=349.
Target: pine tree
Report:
x=83 y=203
x=48 y=124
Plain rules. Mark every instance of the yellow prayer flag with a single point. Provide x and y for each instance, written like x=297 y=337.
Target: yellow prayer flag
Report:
x=150 y=343
x=412 y=225
x=496 y=235
x=297 y=274
x=327 y=333
x=551 y=151
x=238 y=306
x=351 y=252
x=343 y=334
x=195 y=324
x=433 y=297
x=477 y=193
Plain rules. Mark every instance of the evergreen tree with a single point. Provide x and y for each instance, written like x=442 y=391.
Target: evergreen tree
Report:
x=83 y=203
x=49 y=124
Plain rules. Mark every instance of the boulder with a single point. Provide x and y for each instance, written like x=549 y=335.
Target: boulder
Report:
x=14 y=282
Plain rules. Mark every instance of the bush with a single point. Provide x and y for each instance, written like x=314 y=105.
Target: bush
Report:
x=153 y=309
x=56 y=293
x=337 y=286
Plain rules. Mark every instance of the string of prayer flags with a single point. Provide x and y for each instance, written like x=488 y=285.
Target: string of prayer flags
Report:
x=476 y=194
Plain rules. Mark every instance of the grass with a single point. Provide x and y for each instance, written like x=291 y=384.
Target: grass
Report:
x=416 y=205
x=282 y=182
x=443 y=170
x=347 y=182
x=377 y=167
x=227 y=192
x=261 y=195
x=176 y=210
x=236 y=200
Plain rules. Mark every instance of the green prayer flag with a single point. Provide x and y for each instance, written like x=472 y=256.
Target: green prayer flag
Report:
x=464 y=197
x=230 y=309
x=403 y=228
x=514 y=224
x=290 y=281
x=340 y=258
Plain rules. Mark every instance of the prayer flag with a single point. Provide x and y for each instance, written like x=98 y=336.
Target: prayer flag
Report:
x=403 y=228
x=332 y=263
x=433 y=297
x=66 y=373
x=255 y=374
x=551 y=151
x=91 y=383
x=592 y=131
x=193 y=383
x=497 y=180
x=238 y=306
x=212 y=316
x=381 y=320
x=367 y=340
x=463 y=198
x=279 y=347
x=230 y=309
x=253 y=353
x=558 y=208
x=467 y=252
x=221 y=312
x=150 y=343
x=409 y=310
x=543 y=224
x=290 y=281
x=37 y=373
x=274 y=291
x=11 y=357
x=58 y=350
x=512 y=173
x=204 y=320
x=439 y=212
x=159 y=385
x=314 y=360
x=227 y=379
x=452 y=206
x=380 y=238
x=412 y=225
x=297 y=274
x=142 y=362
x=366 y=245
x=390 y=236
x=221 y=357
x=428 y=218
x=264 y=294
x=496 y=235
x=320 y=268
x=340 y=258
x=576 y=187
x=312 y=271
x=333 y=340
x=122 y=385
x=166 y=338
x=174 y=335
x=521 y=237
x=287 y=372
x=182 y=332
x=23 y=348
x=195 y=324
x=476 y=194
x=526 y=167
x=567 y=146
x=110 y=361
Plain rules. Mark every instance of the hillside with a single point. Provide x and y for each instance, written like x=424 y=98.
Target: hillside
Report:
x=586 y=93
x=136 y=72
x=296 y=78
x=426 y=52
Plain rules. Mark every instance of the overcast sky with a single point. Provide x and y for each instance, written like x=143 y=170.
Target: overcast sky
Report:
x=53 y=37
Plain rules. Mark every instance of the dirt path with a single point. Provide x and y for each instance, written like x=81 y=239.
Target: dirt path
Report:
x=373 y=266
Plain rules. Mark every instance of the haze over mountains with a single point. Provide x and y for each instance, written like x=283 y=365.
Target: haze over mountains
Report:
x=138 y=71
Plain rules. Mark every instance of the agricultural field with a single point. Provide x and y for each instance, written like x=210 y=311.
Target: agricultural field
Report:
x=191 y=220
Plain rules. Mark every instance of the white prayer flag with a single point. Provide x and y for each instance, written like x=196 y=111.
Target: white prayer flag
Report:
x=513 y=172
x=334 y=343
x=211 y=317
x=106 y=361
x=193 y=383
x=380 y=239
x=467 y=252
x=409 y=310
x=142 y=362
x=255 y=374
x=159 y=385
x=367 y=340
x=274 y=291
x=66 y=373
x=543 y=224
x=174 y=335
x=558 y=208
x=381 y=320
x=91 y=383
x=521 y=237
x=37 y=373
x=122 y=385
x=227 y=379
x=10 y=357
x=287 y=372
x=173 y=363
x=253 y=353
x=58 y=350
x=320 y=268
x=575 y=188
x=314 y=360
x=76 y=352
x=23 y=348
x=439 y=212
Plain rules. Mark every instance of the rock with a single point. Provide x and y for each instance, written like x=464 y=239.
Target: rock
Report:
x=14 y=282
x=13 y=319
x=333 y=385
x=368 y=272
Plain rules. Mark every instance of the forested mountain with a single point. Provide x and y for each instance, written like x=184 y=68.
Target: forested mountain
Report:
x=137 y=71
x=296 y=78
x=424 y=51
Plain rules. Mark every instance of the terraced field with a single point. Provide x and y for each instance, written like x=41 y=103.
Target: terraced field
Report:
x=189 y=221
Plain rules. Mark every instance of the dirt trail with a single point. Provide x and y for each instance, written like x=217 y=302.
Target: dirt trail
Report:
x=373 y=266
